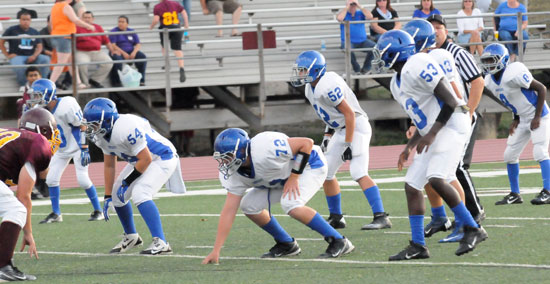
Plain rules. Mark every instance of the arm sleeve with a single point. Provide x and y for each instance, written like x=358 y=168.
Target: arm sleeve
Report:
x=75 y=131
x=460 y=23
x=136 y=39
x=523 y=10
x=523 y=77
x=480 y=19
x=394 y=14
x=140 y=143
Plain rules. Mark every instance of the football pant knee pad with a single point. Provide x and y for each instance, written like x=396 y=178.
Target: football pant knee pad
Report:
x=540 y=153
x=511 y=156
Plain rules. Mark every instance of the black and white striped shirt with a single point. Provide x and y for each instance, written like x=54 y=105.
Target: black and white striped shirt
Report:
x=465 y=63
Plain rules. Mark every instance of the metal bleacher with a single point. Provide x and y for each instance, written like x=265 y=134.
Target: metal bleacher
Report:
x=211 y=61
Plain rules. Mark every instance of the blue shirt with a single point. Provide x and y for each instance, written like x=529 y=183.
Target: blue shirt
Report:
x=125 y=42
x=23 y=46
x=357 y=32
x=509 y=23
x=419 y=14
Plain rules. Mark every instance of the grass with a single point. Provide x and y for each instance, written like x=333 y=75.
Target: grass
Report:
x=516 y=240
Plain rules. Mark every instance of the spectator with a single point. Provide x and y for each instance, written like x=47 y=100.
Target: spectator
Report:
x=358 y=33
x=78 y=7
x=89 y=50
x=168 y=11
x=383 y=11
x=32 y=73
x=187 y=6
x=64 y=22
x=470 y=29
x=426 y=9
x=50 y=51
x=126 y=47
x=218 y=7
x=24 y=50
x=507 y=26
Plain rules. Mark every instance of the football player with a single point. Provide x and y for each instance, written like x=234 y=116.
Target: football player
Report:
x=25 y=154
x=424 y=37
x=418 y=86
x=152 y=162
x=278 y=169
x=347 y=136
x=514 y=85
x=68 y=115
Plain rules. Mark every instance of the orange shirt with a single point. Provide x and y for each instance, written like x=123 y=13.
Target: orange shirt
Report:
x=61 y=24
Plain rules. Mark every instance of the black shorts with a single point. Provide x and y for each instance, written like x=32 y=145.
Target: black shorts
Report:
x=175 y=38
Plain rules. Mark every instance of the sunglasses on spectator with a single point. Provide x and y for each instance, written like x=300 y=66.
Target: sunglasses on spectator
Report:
x=468 y=1
x=380 y=0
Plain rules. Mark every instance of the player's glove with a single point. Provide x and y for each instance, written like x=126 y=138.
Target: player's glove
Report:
x=85 y=156
x=347 y=153
x=122 y=190
x=324 y=143
x=106 y=204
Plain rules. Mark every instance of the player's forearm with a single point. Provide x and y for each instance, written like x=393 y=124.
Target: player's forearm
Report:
x=414 y=139
x=476 y=92
x=541 y=96
x=109 y=173
x=350 y=127
x=227 y=217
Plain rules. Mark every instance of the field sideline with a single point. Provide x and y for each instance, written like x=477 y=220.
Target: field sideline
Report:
x=76 y=251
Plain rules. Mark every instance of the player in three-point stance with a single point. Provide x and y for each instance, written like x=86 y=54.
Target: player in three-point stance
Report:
x=514 y=85
x=279 y=169
x=25 y=154
x=152 y=162
x=347 y=135
x=68 y=115
x=418 y=85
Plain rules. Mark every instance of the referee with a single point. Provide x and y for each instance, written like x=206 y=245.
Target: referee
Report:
x=473 y=84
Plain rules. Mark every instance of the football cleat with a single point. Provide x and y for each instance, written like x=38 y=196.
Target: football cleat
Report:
x=437 y=224
x=128 y=241
x=52 y=218
x=413 y=251
x=337 y=221
x=11 y=273
x=455 y=236
x=158 y=246
x=512 y=198
x=472 y=237
x=96 y=216
x=542 y=198
x=337 y=247
x=283 y=249
x=480 y=216
x=380 y=221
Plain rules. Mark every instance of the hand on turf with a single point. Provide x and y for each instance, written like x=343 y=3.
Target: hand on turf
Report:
x=212 y=258
x=28 y=239
x=121 y=191
x=292 y=189
x=85 y=157
x=106 y=204
x=403 y=157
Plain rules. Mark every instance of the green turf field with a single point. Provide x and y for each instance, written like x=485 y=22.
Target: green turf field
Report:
x=76 y=251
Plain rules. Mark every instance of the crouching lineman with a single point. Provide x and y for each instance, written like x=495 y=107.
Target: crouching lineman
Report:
x=68 y=115
x=278 y=169
x=25 y=154
x=514 y=85
x=418 y=86
x=152 y=162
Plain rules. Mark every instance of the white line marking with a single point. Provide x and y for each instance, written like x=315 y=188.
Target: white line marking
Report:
x=501 y=226
x=200 y=247
x=397 y=232
x=469 y=264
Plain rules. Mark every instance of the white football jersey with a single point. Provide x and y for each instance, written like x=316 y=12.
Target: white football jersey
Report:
x=414 y=90
x=447 y=64
x=67 y=114
x=130 y=135
x=329 y=92
x=272 y=162
x=513 y=90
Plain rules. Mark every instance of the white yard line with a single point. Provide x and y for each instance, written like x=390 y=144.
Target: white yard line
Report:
x=309 y=260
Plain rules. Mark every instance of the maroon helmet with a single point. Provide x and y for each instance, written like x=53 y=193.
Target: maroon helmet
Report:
x=41 y=121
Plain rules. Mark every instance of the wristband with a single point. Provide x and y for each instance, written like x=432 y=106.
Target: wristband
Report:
x=516 y=117
x=329 y=130
x=82 y=139
x=300 y=162
x=106 y=196
x=132 y=177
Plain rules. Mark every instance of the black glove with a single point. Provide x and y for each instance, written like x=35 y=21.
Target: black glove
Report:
x=347 y=153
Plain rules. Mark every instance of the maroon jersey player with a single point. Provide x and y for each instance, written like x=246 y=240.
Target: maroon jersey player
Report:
x=25 y=154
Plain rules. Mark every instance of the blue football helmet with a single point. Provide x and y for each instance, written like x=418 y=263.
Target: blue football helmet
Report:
x=393 y=46
x=494 y=58
x=309 y=66
x=422 y=32
x=100 y=115
x=231 y=150
x=41 y=93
